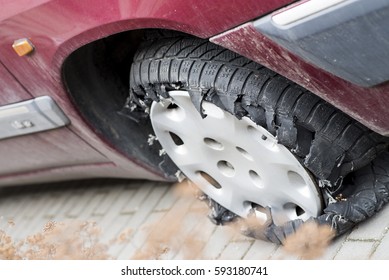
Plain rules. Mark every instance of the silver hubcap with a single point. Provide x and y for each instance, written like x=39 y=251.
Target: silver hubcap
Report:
x=237 y=163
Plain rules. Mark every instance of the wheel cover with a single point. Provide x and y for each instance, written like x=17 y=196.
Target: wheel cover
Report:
x=235 y=162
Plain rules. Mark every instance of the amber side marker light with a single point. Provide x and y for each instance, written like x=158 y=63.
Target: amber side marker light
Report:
x=23 y=46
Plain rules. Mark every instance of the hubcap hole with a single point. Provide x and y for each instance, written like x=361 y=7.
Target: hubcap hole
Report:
x=294 y=209
x=172 y=106
x=176 y=139
x=210 y=179
x=212 y=143
x=295 y=179
x=260 y=213
x=226 y=168
x=299 y=211
x=256 y=179
x=245 y=153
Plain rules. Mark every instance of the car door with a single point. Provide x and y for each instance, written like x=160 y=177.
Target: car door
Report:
x=34 y=149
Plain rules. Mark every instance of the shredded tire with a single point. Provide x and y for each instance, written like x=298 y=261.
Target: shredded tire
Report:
x=355 y=203
x=326 y=141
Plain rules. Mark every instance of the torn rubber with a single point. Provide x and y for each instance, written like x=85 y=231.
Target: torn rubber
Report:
x=326 y=141
x=219 y=215
x=356 y=203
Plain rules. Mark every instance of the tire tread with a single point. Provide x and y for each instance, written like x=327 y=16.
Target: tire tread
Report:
x=303 y=122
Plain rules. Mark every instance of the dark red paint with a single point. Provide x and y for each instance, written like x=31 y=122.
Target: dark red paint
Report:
x=367 y=105
x=59 y=27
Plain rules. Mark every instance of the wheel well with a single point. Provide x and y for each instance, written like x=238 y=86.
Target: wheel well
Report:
x=97 y=79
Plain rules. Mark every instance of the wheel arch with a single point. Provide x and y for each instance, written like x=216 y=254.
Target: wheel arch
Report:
x=96 y=78
x=82 y=51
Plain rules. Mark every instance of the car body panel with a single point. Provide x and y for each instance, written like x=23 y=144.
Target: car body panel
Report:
x=56 y=29
x=12 y=8
x=49 y=151
x=11 y=90
x=347 y=39
x=367 y=105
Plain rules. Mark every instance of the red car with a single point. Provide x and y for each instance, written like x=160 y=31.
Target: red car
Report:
x=276 y=109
